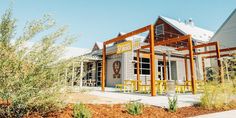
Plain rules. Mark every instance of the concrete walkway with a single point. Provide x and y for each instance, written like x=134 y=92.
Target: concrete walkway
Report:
x=225 y=114
x=186 y=99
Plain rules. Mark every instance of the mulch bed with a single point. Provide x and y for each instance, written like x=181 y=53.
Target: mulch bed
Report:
x=118 y=111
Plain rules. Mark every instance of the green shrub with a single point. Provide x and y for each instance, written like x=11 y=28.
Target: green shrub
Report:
x=134 y=108
x=30 y=78
x=80 y=111
x=172 y=103
x=216 y=95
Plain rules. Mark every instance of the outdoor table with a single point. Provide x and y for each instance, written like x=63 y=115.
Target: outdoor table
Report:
x=160 y=85
x=180 y=86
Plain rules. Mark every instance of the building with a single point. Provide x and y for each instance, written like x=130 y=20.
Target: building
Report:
x=123 y=66
x=226 y=35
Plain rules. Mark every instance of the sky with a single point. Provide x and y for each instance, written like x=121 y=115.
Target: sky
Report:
x=100 y=20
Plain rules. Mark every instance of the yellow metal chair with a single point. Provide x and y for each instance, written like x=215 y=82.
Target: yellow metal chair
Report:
x=161 y=86
x=144 y=88
x=188 y=86
x=180 y=88
x=124 y=87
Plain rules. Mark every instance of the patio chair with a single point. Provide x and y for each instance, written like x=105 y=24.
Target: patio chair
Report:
x=161 y=86
x=144 y=88
x=188 y=85
x=126 y=88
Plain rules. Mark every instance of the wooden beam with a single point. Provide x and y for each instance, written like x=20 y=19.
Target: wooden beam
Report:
x=152 y=60
x=213 y=51
x=138 y=69
x=192 y=70
x=198 y=46
x=103 y=67
x=122 y=37
x=164 y=65
x=147 y=55
x=168 y=41
x=214 y=56
x=173 y=40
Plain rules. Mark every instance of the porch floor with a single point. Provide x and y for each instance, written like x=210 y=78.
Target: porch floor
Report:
x=184 y=99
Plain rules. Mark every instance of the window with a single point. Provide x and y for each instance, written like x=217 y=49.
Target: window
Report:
x=159 y=29
x=144 y=66
x=99 y=72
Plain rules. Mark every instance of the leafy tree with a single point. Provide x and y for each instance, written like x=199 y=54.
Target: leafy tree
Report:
x=31 y=73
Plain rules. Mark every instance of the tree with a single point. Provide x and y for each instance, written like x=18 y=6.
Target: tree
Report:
x=30 y=73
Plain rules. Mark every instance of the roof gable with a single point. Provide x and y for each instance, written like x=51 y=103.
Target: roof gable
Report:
x=197 y=33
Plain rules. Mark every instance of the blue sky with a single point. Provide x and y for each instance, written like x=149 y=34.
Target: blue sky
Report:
x=99 y=20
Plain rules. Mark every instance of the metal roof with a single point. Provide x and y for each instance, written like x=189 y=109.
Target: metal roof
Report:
x=197 y=33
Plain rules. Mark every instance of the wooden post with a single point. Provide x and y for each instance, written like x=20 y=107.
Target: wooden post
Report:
x=192 y=70
x=138 y=69
x=164 y=65
x=203 y=69
x=186 y=68
x=221 y=72
x=152 y=60
x=103 y=67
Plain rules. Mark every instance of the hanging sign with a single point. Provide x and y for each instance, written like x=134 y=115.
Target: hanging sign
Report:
x=124 y=47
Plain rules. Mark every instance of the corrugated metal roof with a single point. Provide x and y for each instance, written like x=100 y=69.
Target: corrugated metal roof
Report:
x=197 y=33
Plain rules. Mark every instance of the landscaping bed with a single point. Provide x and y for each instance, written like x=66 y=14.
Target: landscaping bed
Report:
x=119 y=110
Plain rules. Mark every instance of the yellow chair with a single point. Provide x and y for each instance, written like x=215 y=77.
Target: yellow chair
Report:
x=124 y=87
x=180 y=88
x=160 y=86
x=144 y=88
x=188 y=85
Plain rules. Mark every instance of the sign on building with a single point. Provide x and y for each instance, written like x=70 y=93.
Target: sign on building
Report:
x=124 y=47
x=116 y=69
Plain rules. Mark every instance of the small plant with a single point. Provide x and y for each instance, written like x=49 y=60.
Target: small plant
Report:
x=134 y=108
x=172 y=103
x=80 y=111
